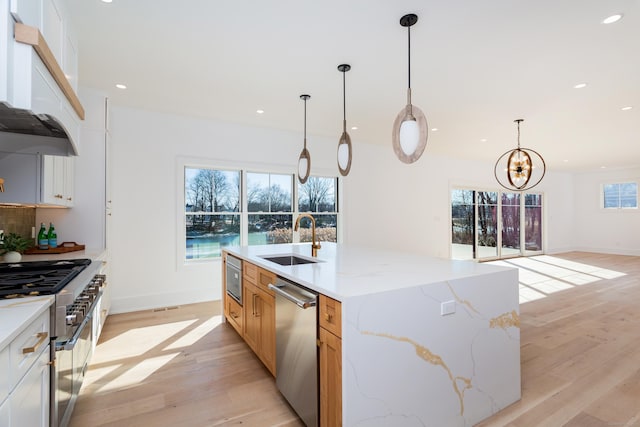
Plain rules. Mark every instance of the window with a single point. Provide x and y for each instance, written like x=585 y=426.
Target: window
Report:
x=318 y=196
x=620 y=195
x=492 y=224
x=226 y=207
x=212 y=211
x=269 y=203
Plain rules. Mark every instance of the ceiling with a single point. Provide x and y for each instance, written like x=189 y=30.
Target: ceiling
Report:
x=476 y=65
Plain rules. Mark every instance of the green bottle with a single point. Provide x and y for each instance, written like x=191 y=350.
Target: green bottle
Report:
x=52 y=236
x=43 y=237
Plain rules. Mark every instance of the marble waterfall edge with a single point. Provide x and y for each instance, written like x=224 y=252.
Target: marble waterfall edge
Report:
x=405 y=364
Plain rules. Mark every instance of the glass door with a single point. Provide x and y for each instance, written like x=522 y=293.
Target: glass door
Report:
x=533 y=224
x=487 y=224
x=510 y=215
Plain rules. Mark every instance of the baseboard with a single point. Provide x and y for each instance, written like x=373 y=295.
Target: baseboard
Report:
x=153 y=301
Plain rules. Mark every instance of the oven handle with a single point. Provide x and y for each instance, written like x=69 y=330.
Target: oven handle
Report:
x=71 y=343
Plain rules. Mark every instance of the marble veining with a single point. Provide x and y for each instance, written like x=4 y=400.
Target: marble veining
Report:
x=506 y=320
x=427 y=355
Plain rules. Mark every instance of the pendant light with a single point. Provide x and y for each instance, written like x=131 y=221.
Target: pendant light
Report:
x=304 y=161
x=344 y=144
x=410 y=127
x=521 y=170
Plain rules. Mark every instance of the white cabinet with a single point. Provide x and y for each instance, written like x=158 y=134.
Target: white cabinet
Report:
x=58 y=180
x=25 y=81
x=38 y=180
x=29 y=401
x=25 y=382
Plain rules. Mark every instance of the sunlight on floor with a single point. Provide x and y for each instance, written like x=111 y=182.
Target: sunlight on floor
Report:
x=199 y=332
x=138 y=373
x=138 y=341
x=543 y=275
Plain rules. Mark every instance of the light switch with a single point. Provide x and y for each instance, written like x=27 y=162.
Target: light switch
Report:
x=447 y=307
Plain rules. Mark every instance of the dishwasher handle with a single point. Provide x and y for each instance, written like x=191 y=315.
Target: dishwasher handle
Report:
x=294 y=299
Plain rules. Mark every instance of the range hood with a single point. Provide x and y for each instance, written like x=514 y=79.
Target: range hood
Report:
x=22 y=131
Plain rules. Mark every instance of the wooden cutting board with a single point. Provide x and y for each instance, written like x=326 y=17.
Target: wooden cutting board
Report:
x=62 y=248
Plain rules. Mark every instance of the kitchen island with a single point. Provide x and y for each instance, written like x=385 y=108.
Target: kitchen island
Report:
x=424 y=341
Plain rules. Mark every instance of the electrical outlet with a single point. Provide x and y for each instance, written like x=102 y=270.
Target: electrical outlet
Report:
x=447 y=307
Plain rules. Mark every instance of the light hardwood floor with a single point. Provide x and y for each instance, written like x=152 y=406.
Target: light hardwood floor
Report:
x=580 y=352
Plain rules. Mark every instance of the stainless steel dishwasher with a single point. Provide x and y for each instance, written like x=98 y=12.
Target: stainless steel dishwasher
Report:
x=296 y=348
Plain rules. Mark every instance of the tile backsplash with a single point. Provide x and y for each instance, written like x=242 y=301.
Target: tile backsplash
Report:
x=17 y=219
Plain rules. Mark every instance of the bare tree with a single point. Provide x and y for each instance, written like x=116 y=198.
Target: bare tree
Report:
x=315 y=194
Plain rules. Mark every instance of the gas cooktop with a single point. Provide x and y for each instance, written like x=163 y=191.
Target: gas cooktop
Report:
x=38 y=277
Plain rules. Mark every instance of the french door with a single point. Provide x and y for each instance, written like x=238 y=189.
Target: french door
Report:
x=495 y=224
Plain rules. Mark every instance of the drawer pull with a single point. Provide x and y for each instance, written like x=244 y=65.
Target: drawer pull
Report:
x=42 y=336
x=234 y=315
x=328 y=317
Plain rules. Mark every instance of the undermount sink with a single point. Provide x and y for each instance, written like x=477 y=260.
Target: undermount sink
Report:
x=288 y=259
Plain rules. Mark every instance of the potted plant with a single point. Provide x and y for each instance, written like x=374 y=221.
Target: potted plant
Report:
x=12 y=246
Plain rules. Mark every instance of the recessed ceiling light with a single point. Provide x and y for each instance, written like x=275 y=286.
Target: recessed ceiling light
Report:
x=354 y=127
x=260 y=111
x=603 y=167
x=627 y=108
x=434 y=129
x=613 y=18
x=106 y=1
x=121 y=86
x=566 y=161
x=580 y=86
x=483 y=140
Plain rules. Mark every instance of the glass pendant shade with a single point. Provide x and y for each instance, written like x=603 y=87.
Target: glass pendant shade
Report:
x=344 y=154
x=304 y=161
x=409 y=136
x=304 y=166
x=516 y=169
x=344 y=143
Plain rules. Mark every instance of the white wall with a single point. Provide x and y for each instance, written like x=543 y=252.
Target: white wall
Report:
x=84 y=222
x=614 y=231
x=386 y=203
x=145 y=152
x=407 y=207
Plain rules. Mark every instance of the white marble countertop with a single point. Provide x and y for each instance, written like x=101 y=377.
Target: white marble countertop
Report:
x=345 y=271
x=16 y=314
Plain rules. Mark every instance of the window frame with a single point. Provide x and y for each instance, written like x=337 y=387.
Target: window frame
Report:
x=499 y=225
x=618 y=208
x=246 y=167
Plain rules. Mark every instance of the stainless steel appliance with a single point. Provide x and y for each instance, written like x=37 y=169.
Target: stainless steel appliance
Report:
x=296 y=348
x=234 y=278
x=77 y=290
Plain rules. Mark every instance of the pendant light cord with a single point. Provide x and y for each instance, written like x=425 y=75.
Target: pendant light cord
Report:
x=305 y=124
x=409 y=56
x=344 y=97
x=518 y=122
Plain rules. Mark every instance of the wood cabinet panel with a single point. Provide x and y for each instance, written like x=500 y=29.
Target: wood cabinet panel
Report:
x=330 y=379
x=260 y=324
x=249 y=272
x=234 y=313
x=330 y=315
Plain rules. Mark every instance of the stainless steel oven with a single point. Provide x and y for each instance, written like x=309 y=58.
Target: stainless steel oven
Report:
x=73 y=348
x=233 y=276
x=77 y=289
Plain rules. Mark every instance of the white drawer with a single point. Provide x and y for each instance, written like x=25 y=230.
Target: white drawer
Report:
x=25 y=349
x=5 y=384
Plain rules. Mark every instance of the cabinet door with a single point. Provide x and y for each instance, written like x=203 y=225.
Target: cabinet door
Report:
x=53 y=180
x=330 y=379
x=69 y=180
x=251 y=317
x=30 y=399
x=267 y=307
x=57 y=180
